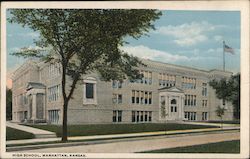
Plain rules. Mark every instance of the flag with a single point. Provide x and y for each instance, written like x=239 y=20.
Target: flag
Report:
x=228 y=49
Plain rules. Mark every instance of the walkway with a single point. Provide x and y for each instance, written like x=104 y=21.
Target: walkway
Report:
x=113 y=136
x=143 y=145
x=224 y=125
x=37 y=132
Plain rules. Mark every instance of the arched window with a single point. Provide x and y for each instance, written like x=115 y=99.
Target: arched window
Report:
x=173 y=101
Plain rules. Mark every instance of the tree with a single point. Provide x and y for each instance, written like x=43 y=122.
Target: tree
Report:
x=8 y=104
x=220 y=111
x=83 y=41
x=229 y=90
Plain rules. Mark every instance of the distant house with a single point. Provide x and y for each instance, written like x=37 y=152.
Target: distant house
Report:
x=166 y=92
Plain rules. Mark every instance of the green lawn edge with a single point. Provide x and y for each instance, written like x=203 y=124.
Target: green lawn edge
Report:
x=232 y=146
x=108 y=129
x=15 y=134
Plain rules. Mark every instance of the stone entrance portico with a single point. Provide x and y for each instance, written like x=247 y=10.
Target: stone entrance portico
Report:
x=36 y=101
x=171 y=105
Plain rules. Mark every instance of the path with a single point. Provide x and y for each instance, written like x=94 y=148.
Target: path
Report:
x=144 y=145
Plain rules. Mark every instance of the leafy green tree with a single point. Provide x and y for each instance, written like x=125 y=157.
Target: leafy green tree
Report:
x=8 y=104
x=84 y=41
x=220 y=111
x=229 y=90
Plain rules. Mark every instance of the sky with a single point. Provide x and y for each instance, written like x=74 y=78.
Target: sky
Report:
x=186 y=38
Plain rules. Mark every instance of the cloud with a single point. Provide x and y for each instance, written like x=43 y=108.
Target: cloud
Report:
x=218 y=38
x=148 y=53
x=30 y=34
x=187 y=34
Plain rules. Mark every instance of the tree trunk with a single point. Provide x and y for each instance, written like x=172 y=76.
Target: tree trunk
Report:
x=65 y=125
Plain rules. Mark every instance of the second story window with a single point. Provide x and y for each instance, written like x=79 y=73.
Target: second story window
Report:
x=54 y=93
x=141 y=97
x=204 y=89
x=116 y=84
x=188 y=83
x=190 y=100
x=166 y=80
x=117 y=98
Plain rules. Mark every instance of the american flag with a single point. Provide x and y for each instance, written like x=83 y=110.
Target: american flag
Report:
x=228 y=49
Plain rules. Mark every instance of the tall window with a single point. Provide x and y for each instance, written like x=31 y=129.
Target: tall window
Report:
x=54 y=93
x=141 y=116
x=190 y=100
x=117 y=116
x=190 y=115
x=204 y=115
x=89 y=90
x=133 y=116
x=204 y=89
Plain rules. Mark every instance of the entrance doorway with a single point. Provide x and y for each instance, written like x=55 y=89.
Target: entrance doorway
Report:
x=174 y=109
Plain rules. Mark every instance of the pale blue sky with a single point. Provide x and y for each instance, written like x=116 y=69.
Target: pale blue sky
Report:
x=187 y=38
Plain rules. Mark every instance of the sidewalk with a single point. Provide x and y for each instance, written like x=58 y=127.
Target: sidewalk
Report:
x=37 y=132
x=211 y=124
x=116 y=136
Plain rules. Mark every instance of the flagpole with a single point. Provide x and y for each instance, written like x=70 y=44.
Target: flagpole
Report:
x=223 y=55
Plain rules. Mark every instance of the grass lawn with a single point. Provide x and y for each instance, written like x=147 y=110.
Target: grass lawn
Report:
x=104 y=129
x=14 y=134
x=219 y=147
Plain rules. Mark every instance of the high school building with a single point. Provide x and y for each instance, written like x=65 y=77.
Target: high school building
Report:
x=166 y=93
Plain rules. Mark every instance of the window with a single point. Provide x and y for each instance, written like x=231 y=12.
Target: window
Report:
x=146 y=116
x=146 y=97
x=89 y=90
x=133 y=96
x=146 y=78
x=204 y=89
x=141 y=97
x=117 y=116
x=137 y=116
x=190 y=100
x=117 y=99
x=137 y=97
x=173 y=101
x=166 y=80
x=54 y=70
x=150 y=116
x=188 y=83
x=190 y=115
x=150 y=98
x=53 y=116
x=116 y=84
x=133 y=116
x=141 y=116
x=204 y=115
x=204 y=103
x=54 y=93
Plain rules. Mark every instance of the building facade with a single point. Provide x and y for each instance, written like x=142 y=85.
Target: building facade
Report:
x=165 y=93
